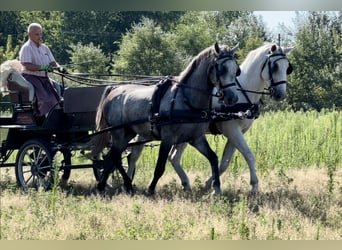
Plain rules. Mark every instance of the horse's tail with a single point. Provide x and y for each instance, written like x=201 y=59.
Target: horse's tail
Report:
x=100 y=141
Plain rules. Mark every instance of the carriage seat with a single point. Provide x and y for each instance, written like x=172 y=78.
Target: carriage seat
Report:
x=21 y=96
x=21 y=91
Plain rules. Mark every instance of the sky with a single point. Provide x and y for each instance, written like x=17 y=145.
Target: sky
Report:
x=273 y=18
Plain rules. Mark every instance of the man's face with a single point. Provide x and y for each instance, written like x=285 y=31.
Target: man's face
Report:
x=35 y=34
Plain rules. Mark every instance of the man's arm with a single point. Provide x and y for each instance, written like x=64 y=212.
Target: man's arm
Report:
x=34 y=67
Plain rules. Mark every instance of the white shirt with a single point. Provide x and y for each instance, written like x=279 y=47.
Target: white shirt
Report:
x=30 y=53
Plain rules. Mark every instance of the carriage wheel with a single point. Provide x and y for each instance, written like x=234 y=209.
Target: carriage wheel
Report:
x=33 y=167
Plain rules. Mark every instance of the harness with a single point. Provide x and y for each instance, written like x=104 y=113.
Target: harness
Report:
x=192 y=115
x=172 y=116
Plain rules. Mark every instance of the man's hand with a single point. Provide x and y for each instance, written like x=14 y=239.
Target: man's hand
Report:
x=62 y=70
x=46 y=68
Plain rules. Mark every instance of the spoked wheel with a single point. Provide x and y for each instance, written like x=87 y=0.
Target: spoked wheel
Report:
x=33 y=166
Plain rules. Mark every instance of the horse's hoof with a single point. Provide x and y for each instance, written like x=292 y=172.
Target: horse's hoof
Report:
x=207 y=185
x=187 y=189
x=63 y=183
x=101 y=186
x=150 y=192
x=217 y=191
x=129 y=189
x=254 y=193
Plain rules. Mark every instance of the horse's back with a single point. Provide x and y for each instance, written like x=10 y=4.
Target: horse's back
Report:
x=128 y=103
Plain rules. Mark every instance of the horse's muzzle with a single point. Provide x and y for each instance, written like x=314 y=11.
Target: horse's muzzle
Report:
x=230 y=99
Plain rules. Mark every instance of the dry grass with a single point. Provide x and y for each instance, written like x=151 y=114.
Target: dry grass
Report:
x=299 y=166
x=291 y=205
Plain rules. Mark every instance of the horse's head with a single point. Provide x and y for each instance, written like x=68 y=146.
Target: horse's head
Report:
x=275 y=70
x=223 y=73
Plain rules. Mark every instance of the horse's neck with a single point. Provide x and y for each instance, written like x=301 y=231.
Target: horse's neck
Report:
x=250 y=79
x=195 y=90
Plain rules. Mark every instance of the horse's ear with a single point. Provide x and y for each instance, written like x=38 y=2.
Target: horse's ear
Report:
x=236 y=47
x=217 y=48
x=287 y=50
x=273 y=48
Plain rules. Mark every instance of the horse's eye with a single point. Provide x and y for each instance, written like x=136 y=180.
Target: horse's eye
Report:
x=224 y=70
x=275 y=67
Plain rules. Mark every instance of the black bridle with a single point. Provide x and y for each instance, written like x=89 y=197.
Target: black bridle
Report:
x=220 y=71
x=272 y=68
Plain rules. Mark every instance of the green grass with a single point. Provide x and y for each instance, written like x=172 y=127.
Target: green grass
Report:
x=300 y=168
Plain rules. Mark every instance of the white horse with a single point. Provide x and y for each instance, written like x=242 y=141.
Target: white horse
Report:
x=266 y=66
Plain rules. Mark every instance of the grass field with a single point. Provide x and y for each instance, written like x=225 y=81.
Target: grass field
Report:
x=299 y=163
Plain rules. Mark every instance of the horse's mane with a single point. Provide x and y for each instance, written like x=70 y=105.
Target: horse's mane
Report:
x=202 y=56
x=254 y=54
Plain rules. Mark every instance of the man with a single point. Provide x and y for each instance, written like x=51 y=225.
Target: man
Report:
x=37 y=60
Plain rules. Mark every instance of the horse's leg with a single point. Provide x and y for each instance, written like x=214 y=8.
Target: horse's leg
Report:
x=227 y=155
x=113 y=159
x=164 y=150
x=237 y=139
x=133 y=158
x=175 y=156
x=127 y=180
x=67 y=170
x=202 y=145
x=108 y=168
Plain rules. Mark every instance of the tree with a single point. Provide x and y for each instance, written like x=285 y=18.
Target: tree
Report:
x=197 y=30
x=318 y=61
x=10 y=25
x=9 y=52
x=147 y=50
x=105 y=28
x=88 y=59
x=245 y=26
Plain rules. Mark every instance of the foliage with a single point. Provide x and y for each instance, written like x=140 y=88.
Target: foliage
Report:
x=105 y=28
x=163 y=42
x=244 y=27
x=318 y=63
x=196 y=31
x=9 y=52
x=147 y=50
x=251 y=43
x=10 y=25
x=300 y=193
x=88 y=59
x=51 y=22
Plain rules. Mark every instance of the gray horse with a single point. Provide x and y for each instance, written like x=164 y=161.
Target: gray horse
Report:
x=174 y=111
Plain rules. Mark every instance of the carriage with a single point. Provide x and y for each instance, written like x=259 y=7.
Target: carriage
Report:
x=176 y=111
x=42 y=149
x=72 y=127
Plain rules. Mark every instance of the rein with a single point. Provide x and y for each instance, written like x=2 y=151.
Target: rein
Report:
x=182 y=85
x=146 y=80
